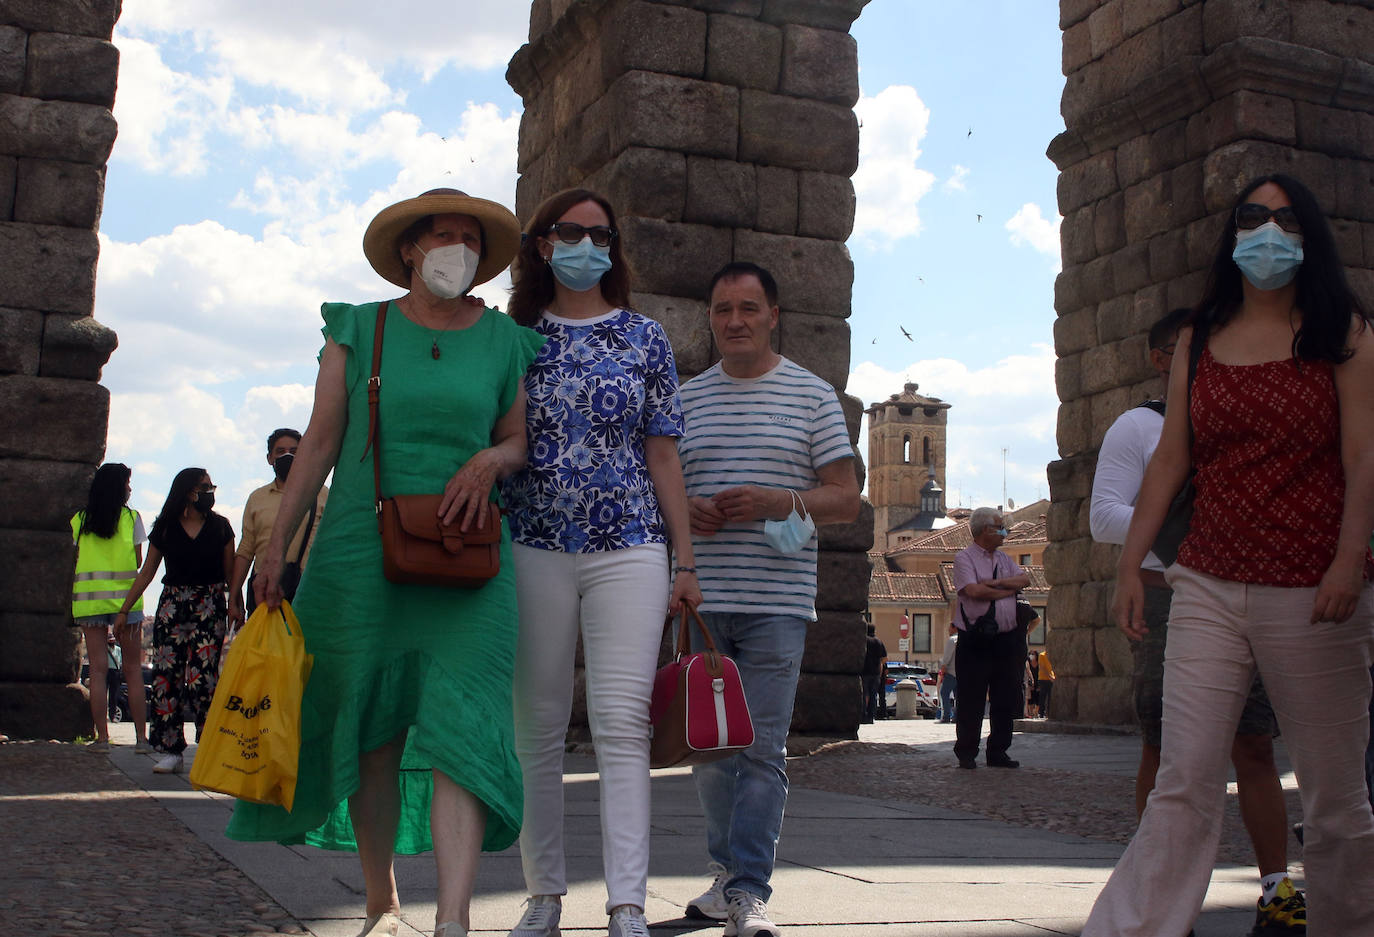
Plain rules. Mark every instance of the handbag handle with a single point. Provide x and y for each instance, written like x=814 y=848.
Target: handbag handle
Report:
x=683 y=642
x=374 y=393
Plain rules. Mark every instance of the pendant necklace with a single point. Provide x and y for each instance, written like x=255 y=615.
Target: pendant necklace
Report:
x=434 y=347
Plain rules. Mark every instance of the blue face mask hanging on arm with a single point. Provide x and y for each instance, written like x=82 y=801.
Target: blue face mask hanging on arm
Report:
x=1268 y=256
x=793 y=533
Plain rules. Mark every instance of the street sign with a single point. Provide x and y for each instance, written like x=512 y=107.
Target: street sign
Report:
x=903 y=644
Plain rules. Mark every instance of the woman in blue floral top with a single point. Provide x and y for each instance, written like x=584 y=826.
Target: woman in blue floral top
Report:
x=590 y=517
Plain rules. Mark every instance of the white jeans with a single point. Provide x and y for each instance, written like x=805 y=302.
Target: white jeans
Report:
x=618 y=599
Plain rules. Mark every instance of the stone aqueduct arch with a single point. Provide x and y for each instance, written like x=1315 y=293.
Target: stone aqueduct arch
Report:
x=724 y=129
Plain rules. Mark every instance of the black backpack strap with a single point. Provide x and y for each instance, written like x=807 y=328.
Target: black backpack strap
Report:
x=1155 y=405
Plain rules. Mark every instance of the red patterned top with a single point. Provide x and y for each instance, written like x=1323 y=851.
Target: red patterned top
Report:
x=1270 y=485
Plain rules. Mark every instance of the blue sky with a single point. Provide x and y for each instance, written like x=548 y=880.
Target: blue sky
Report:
x=257 y=139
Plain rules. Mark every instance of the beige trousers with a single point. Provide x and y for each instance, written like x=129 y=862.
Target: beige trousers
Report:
x=1318 y=680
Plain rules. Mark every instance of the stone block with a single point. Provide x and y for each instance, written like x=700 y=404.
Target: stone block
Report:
x=52 y=418
x=1062 y=607
x=1101 y=368
x=75 y=347
x=1065 y=693
x=574 y=83
x=655 y=37
x=1068 y=377
x=1071 y=428
x=9 y=174
x=744 y=53
x=720 y=192
x=855 y=536
x=823 y=14
x=48 y=268
x=1150 y=304
x=1349 y=240
x=835 y=643
x=1071 y=478
x=43 y=495
x=57 y=192
x=825 y=206
x=1244 y=115
x=1114 y=322
x=77 y=17
x=1168 y=254
x=1102 y=700
x=39 y=648
x=1088 y=181
x=1138 y=14
x=1186 y=290
x=13 y=49
x=818 y=343
x=1073 y=651
x=63 y=67
x=688 y=330
x=813 y=275
x=1113 y=651
x=668 y=112
x=1147 y=208
x=82 y=133
x=1344 y=29
x=1186 y=200
x=853 y=409
x=1368 y=230
x=797 y=133
x=1131 y=267
x=750 y=8
x=1105 y=407
x=842 y=581
x=1225 y=20
x=827 y=704
x=1362 y=285
x=1099 y=279
x=1077 y=236
x=1202 y=239
x=822 y=64
x=1062 y=523
x=1075 y=11
x=1354 y=196
x=1109 y=225
x=21 y=337
x=37 y=573
x=1095 y=602
x=779 y=199
x=1078 y=48
x=644 y=182
x=1334 y=131
x=1104 y=28
x=46 y=710
x=697 y=252
x=1102 y=560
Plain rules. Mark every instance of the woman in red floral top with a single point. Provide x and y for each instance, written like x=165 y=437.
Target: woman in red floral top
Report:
x=1274 y=573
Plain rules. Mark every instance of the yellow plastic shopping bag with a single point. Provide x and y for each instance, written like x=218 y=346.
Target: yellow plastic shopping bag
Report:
x=252 y=739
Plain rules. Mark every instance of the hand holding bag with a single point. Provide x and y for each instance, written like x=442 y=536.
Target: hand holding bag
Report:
x=417 y=547
x=698 y=710
x=252 y=740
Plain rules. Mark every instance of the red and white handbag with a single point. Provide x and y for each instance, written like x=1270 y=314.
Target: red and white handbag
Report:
x=698 y=710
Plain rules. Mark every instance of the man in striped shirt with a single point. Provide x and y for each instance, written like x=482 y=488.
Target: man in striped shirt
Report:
x=766 y=456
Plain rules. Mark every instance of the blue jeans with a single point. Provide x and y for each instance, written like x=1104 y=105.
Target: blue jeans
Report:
x=948 y=684
x=743 y=796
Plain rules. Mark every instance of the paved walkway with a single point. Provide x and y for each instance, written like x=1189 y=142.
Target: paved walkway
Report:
x=99 y=844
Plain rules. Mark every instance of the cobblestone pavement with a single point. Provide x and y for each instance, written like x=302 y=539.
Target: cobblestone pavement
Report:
x=913 y=761
x=85 y=853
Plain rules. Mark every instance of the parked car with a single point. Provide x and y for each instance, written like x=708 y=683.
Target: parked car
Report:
x=927 y=703
x=119 y=691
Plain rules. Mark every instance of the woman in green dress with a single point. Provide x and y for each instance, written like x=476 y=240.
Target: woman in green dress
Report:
x=406 y=733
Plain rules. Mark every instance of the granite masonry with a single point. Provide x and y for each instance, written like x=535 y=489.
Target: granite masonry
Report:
x=1171 y=107
x=57 y=85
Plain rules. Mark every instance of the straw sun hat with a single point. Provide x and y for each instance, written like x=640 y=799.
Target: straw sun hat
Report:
x=500 y=232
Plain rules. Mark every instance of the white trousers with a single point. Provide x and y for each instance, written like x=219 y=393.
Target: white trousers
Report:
x=618 y=599
x=1317 y=677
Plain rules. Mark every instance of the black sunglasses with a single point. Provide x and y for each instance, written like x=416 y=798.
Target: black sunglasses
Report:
x=570 y=232
x=1251 y=215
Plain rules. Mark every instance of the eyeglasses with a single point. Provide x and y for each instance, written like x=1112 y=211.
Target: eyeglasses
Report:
x=1167 y=349
x=209 y=489
x=570 y=232
x=1251 y=215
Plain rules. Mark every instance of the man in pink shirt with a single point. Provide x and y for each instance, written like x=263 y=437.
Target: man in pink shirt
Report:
x=991 y=652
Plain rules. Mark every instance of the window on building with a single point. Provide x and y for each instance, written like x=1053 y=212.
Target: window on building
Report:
x=906 y=450
x=925 y=451
x=1037 y=635
x=1023 y=559
x=920 y=634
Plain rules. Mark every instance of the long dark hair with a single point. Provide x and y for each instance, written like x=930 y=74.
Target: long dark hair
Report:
x=105 y=502
x=1324 y=295
x=187 y=480
x=533 y=280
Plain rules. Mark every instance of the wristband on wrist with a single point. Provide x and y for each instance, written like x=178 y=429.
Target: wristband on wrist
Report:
x=684 y=569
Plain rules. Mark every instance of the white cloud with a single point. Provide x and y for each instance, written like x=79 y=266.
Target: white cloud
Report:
x=164 y=115
x=888 y=184
x=1029 y=226
x=1009 y=403
x=955 y=182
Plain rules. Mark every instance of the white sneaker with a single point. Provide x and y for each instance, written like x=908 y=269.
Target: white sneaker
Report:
x=540 y=918
x=628 y=921
x=712 y=903
x=749 y=916
x=385 y=924
x=168 y=764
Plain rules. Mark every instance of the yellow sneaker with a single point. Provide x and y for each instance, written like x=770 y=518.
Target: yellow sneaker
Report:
x=1286 y=914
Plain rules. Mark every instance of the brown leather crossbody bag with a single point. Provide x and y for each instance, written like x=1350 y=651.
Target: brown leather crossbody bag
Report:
x=417 y=547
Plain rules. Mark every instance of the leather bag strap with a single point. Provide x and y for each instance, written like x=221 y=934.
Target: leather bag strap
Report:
x=374 y=393
x=683 y=641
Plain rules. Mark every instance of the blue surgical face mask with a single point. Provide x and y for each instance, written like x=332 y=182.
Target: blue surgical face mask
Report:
x=580 y=266
x=793 y=533
x=1268 y=255
x=1000 y=531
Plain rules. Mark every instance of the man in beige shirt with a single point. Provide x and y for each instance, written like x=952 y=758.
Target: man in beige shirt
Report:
x=260 y=513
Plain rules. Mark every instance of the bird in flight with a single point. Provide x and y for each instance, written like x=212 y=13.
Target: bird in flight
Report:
x=907 y=334
x=980 y=219
x=970 y=133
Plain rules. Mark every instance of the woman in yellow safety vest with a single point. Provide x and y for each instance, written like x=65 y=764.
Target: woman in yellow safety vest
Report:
x=109 y=537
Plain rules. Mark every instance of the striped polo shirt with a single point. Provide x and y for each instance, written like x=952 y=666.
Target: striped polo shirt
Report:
x=774 y=430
